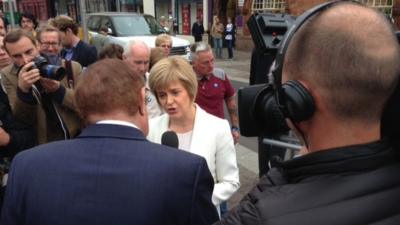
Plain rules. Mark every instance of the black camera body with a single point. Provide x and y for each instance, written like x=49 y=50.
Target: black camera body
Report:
x=268 y=30
x=259 y=113
x=47 y=70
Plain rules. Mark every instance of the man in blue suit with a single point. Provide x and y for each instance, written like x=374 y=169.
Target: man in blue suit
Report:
x=110 y=174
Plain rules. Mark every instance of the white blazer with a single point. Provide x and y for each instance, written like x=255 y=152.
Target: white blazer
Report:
x=213 y=140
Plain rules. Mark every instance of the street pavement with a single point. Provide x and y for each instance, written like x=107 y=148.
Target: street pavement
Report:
x=238 y=70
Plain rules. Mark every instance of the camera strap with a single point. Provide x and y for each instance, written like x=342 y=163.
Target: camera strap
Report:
x=70 y=75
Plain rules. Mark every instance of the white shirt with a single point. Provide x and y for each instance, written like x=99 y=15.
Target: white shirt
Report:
x=229 y=28
x=117 y=122
x=185 y=139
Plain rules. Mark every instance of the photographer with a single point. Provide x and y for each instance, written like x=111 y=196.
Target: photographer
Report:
x=43 y=102
x=15 y=136
x=49 y=40
x=339 y=69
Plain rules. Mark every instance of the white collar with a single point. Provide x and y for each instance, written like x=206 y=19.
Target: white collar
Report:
x=117 y=122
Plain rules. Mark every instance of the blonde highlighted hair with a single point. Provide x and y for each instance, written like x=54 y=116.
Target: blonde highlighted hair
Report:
x=169 y=70
x=161 y=38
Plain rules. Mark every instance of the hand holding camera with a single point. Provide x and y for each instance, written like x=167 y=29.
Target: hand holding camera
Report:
x=27 y=77
x=40 y=69
x=49 y=85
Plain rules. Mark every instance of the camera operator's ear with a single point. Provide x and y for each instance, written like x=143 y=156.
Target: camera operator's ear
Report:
x=298 y=102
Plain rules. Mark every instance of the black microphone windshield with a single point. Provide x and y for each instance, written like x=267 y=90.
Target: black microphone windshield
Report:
x=169 y=138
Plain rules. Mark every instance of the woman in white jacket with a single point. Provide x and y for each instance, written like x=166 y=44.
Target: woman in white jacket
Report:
x=174 y=84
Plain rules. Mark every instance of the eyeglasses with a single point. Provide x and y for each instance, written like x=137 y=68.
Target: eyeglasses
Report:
x=48 y=44
x=166 y=46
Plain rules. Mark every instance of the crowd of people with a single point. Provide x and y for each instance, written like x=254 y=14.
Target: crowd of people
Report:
x=84 y=127
x=219 y=34
x=48 y=97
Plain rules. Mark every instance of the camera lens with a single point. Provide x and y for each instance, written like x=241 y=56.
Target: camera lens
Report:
x=47 y=70
x=53 y=72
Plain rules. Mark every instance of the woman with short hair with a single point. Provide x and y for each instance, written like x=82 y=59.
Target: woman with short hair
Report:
x=164 y=41
x=174 y=84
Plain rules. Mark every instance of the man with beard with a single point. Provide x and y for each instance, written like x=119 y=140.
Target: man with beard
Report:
x=45 y=103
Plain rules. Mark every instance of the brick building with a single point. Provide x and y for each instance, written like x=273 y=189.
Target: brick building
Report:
x=389 y=7
x=297 y=7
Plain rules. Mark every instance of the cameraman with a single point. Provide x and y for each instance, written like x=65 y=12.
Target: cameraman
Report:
x=15 y=136
x=45 y=103
x=346 y=59
x=49 y=40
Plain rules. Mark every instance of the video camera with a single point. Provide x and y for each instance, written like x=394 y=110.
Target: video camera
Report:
x=268 y=29
x=258 y=110
x=47 y=70
x=259 y=113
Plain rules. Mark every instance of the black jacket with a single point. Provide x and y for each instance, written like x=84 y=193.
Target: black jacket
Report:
x=22 y=136
x=83 y=53
x=197 y=31
x=350 y=185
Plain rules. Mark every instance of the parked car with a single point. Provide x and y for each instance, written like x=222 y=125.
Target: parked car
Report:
x=124 y=27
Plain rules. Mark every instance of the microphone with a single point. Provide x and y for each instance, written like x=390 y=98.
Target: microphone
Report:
x=169 y=138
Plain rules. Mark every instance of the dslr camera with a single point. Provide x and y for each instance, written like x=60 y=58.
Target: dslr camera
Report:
x=47 y=70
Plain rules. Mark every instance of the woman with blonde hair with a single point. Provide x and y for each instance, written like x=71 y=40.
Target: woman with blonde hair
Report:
x=174 y=84
x=217 y=31
x=164 y=41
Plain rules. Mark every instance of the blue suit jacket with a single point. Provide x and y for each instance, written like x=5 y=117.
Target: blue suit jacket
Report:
x=83 y=53
x=110 y=174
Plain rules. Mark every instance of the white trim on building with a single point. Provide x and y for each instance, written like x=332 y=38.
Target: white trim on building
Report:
x=269 y=5
x=278 y=6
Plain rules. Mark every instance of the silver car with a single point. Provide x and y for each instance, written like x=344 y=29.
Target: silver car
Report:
x=124 y=27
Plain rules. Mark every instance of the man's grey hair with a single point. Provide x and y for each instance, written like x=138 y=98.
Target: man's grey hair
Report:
x=129 y=46
x=199 y=47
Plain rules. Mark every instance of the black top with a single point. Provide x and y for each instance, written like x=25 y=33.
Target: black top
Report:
x=83 y=53
x=357 y=184
x=22 y=136
x=197 y=31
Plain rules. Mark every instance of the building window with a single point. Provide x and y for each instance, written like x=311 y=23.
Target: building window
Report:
x=384 y=6
x=96 y=6
x=269 y=5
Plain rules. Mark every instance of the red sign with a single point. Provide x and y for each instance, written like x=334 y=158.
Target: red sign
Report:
x=186 y=19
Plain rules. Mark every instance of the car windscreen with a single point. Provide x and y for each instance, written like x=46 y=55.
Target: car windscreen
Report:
x=135 y=25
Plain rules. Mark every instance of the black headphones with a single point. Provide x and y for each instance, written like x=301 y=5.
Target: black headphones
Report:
x=292 y=97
